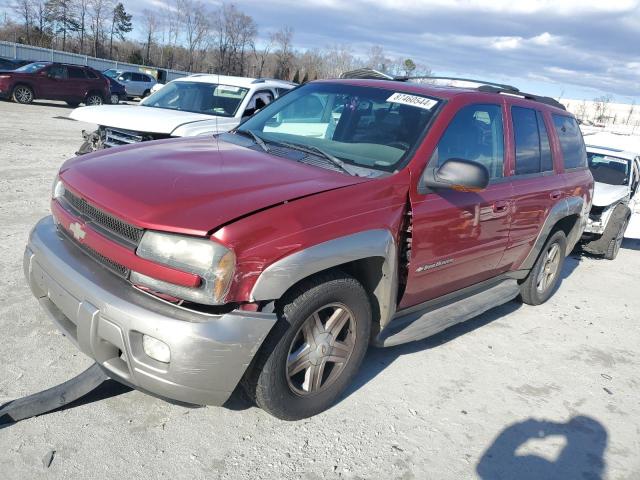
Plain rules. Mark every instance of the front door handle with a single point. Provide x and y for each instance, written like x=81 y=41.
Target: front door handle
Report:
x=499 y=207
x=556 y=195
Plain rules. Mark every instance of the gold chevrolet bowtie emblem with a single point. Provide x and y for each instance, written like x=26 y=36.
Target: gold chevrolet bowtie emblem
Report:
x=78 y=232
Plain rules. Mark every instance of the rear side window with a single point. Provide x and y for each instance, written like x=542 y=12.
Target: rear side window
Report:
x=533 y=153
x=475 y=133
x=75 y=72
x=571 y=142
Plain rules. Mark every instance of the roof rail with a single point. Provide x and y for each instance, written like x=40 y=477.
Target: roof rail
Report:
x=459 y=79
x=367 y=74
x=529 y=96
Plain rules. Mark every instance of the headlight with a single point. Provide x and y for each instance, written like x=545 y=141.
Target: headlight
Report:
x=213 y=262
x=57 y=190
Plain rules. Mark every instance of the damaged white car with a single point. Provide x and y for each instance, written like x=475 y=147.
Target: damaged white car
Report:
x=200 y=104
x=615 y=213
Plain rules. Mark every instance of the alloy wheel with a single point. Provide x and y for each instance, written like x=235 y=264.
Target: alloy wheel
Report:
x=23 y=95
x=115 y=99
x=94 y=100
x=321 y=349
x=549 y=269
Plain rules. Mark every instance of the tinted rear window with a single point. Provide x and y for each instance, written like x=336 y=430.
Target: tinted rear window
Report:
x=75 y=72
x=571 y=142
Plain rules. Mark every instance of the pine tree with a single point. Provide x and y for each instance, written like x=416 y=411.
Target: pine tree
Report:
x=62 y=14
x=120 y=24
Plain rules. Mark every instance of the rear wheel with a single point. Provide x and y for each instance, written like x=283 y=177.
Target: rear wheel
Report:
x=545 y=274
x=94 y=99
x=22 y=94
x=146 y=94
x=315 y=349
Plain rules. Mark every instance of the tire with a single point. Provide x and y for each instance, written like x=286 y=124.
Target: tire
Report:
x=93 y=99
x=73 y=104
x=22 y=94
x=616 y=242
x=146 y=93
x=114 y=99
x=545 y=274
x=297 y=351
x=605 y=244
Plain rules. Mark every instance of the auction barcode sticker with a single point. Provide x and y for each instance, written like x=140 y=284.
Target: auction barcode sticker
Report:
x=413 y=100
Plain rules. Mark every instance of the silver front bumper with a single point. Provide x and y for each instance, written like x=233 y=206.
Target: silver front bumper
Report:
x=106 y=318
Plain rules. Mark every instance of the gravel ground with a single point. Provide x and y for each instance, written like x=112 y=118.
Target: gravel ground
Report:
x=518 y=393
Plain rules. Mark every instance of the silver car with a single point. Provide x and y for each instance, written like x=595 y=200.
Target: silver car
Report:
x=136 y=84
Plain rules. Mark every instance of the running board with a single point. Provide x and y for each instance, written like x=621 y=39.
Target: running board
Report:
x=426 y=322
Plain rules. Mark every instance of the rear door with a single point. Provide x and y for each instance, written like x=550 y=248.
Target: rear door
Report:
x=537 y=183
x=53 y=86
x=76 y=83
x=459 y=238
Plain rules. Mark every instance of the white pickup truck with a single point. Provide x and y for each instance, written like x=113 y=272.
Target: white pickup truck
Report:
x=200 y=104
x=615 y=213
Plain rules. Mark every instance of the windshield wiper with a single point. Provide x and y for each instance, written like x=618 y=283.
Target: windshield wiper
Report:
x=255 y=137
x=315 y=150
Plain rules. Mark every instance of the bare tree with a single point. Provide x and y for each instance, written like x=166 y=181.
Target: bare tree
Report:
x=62 y=14
x=98 y=12
x=601 y=105
x=632 y=109
x=120 y=25
x=83 y=9
x=283 y=40
x=25 y=11
x=377 y=59
x=196 y=27
x=339 y=59
x=261 y=55
x=150 y=25
x=235 y=33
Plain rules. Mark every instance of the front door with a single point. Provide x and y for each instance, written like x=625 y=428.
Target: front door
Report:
x=459 y=238
x=53 y=86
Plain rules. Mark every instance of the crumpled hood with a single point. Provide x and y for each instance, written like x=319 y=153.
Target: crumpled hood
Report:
x=192 y=185
x=605 y=194
x=139 y=118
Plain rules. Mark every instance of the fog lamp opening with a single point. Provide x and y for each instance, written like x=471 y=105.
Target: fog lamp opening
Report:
x=156 y=349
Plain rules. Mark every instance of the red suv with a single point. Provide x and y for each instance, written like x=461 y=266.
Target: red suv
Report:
x=346 y=213
x=74 y=84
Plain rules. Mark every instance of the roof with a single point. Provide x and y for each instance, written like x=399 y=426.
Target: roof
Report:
x=613 y=143
x=234 y=81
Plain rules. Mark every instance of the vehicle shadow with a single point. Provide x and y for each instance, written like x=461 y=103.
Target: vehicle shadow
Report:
x=631 y=244
x=581 y=443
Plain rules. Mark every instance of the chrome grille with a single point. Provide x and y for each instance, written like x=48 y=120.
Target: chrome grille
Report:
x=108 y=222
x=114 y=137
x=115 y=267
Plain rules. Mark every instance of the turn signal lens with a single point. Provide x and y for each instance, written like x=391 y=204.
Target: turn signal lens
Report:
x=156 y=349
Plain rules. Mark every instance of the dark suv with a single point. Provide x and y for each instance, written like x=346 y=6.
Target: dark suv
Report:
x=74 y=84
x=343 y=214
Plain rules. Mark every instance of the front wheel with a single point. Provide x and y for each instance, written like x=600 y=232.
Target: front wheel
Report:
x=114 y=99
x=545 y=274
x=616 y=242
x=315 y=349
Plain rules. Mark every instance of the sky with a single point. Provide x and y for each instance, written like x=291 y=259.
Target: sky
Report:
x=569 y=48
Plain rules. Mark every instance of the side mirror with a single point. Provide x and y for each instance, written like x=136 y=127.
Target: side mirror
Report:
x=456 y=174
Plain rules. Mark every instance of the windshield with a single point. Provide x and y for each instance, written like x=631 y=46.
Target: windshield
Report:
x=111 y=73
x=31 y=67
x=607 y=169
x=198 y=97
x=364 y=126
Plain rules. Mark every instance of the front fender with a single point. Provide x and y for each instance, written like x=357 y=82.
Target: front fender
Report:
x=276 y=279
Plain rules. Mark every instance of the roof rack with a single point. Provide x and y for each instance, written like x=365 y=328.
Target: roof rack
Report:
x=483 y=86
x=367 y=74
x=459 y=79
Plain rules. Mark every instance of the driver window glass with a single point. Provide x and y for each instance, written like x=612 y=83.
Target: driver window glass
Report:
x=475 y=133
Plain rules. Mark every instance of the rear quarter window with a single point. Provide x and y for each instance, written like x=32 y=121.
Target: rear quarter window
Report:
x=571 y=141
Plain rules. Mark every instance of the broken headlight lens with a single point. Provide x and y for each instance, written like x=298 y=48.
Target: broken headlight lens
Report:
x=213 y=262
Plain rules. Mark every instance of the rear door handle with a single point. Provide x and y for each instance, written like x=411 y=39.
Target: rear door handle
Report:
x=555 y=195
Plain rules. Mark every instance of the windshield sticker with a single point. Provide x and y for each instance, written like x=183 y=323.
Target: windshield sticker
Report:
x=616 y=160
x=413 y=100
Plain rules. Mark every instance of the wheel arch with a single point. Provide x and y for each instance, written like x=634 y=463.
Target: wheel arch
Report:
x=369 y=256
x=570 y=216
x=24 y=83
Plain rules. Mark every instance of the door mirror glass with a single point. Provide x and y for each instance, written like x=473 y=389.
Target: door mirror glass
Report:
x=456 y=174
